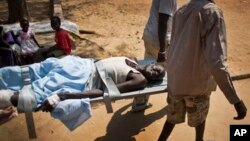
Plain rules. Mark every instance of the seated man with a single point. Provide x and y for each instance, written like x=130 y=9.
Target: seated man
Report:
x=73 y=77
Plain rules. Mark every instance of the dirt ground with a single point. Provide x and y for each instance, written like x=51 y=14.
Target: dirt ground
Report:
x=119 y=26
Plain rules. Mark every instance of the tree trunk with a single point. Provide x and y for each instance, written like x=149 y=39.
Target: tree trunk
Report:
x=17 y=10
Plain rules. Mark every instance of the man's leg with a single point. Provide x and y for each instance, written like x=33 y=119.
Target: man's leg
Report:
x=40 y=55
x=166 y=131
x=140 y=103
x=197 y=109
x=175 y=114
x=199 y=131
x=151 y=51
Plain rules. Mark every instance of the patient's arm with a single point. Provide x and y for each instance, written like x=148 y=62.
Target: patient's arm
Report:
x=63 y=96
x=46 y=106
x=135 y=81
x=87 y=94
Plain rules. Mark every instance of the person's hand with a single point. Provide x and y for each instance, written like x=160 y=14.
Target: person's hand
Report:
x=241 y=110
x=49 y=104
x=161 y=57
x=45 y=107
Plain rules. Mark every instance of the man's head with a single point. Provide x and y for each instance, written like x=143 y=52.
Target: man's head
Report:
x=153 y=72
x=55 y=23
x=24 y=23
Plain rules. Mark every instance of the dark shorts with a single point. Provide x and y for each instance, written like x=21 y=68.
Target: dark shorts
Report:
x=196 y=108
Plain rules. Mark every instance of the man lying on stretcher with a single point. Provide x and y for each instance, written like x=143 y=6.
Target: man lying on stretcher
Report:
x=73 y=77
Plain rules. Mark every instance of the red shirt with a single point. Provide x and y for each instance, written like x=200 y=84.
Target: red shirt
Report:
x=63 y=41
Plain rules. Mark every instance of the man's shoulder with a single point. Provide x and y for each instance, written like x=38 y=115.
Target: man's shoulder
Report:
x=62 y=32
x=211 y=10
x=203 y=7
x=211 y=6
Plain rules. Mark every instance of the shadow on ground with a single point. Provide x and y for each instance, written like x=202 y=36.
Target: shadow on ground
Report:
x=124 y=126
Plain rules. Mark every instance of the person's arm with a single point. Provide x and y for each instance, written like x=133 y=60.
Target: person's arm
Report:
x=162 y=30
x=87 y=94
x=34 y=38
x=49 y=104
x=135 y=81
x=215 y=51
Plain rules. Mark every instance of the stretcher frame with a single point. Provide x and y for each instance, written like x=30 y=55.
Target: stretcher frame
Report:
x=111 y=94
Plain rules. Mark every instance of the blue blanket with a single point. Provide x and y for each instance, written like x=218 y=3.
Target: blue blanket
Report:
x=54 y=76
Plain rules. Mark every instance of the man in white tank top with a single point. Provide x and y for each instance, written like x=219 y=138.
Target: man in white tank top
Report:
x=157 y=31
x=156 y=37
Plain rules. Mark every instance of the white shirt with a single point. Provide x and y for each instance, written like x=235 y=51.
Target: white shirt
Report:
x=159 y=6
x=117 y=68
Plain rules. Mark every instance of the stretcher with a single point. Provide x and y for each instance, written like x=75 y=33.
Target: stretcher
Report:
x=111 y=94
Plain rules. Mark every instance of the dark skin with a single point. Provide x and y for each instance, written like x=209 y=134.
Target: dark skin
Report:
x=134 y=81
x=55 y=23
x=162 y=30
x=199 y=130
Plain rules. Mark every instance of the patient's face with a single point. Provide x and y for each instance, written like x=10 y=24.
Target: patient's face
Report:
x=154 y=72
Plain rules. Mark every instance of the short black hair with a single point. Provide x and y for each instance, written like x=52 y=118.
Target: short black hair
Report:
x=24 y=20
x=55 y=19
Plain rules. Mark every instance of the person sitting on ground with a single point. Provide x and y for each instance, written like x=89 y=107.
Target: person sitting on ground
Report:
x=63 y=43
x=28 y=42
x=73 y=77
